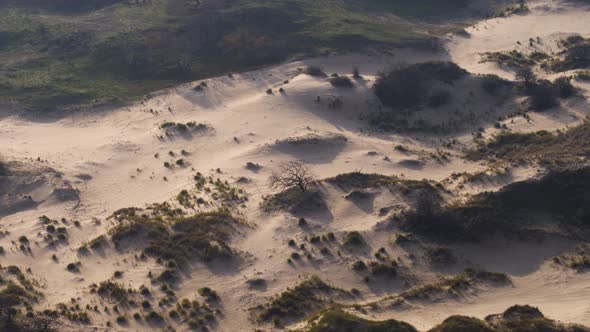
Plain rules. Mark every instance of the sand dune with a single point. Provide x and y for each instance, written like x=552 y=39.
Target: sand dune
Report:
x=234 y=129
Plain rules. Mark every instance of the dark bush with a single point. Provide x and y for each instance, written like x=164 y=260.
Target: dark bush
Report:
x=314 y=71
x=407 y=86
x=542 y=96
x=564 y=87
x=359 y=266
x=341 y=82
x=353 y=238
x=493 y=83
x=439 y=98
x=383 y=270
x=462 y=324
x=336 y=320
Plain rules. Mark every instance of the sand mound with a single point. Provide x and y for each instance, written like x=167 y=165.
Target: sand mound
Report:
x=25 y=186
x=312 y=146
x=315 y=140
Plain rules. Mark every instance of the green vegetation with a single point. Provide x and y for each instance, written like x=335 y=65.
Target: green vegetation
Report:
x=358 y=180
x=453 y=286
x=175 y=237
x=524 y=318
x=209 y=294
x=580 y=76
x=336 y=320
x=293 y=199
x=353 y=239
x=294 y=303
x=575 y=54
x=411 y=86
x=195 y=314
x=64 y=53
x=514 y=319
x=18 y=292
x=111 y=290
x=514 y=59
x=521 y=8
x=518 y=318
x=184 y=127
x=561 y=149
x=578 y=259
x=462 y=324
x=561 y=195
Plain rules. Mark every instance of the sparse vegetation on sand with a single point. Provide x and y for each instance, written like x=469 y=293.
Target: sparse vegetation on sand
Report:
x=184 y=127
x=454 y=286
x=575 y=54
x=172 y=236
x=560 y=195
x=17 y=292
x=515 y=59
x=294 y=303
x=578 y=259
x=359 y=180
x=113 y=291
x=560 y=149
x=583 y=75
x=336 y=320
x=518 y=9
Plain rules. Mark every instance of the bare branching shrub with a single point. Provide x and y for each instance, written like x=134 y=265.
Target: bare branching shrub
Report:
x=292 y=174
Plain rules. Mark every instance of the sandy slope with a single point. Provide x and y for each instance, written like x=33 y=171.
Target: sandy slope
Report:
x=110 y=158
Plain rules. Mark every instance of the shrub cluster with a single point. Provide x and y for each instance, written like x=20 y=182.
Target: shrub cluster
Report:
x=410 y=86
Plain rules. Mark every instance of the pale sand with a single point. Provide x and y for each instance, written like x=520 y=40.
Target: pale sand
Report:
x=116 y=148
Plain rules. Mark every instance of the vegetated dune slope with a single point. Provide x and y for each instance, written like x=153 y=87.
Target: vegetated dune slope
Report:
x=239 y=128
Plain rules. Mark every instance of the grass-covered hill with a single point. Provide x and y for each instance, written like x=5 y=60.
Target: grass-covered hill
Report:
x=68 y=52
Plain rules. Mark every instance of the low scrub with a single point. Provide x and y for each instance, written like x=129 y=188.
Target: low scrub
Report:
x=341 y=82
x=454 y=286
x=295 y=303
x=184 y=127
x=358 y=180
x=337 y=320
x=293 y=199
x=560 y=194
x=512 y=59
x=575 y=54
x=407 y=87
x=578 y=259
x=492 y=84
x=553 y=150
x=202 y=236
x=518 y=318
